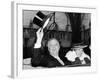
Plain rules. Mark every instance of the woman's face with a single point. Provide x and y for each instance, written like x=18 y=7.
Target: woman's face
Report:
x=53 y=47
x=78 y=52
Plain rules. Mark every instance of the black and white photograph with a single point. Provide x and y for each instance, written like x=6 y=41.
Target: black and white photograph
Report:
x=56 y=39
x=52 y=39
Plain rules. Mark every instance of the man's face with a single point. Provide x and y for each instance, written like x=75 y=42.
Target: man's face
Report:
x=53 y=47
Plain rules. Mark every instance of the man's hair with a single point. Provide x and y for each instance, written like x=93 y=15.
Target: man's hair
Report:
x=51 y=40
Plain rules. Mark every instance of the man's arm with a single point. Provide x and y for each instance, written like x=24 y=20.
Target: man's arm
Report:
x=36 y=56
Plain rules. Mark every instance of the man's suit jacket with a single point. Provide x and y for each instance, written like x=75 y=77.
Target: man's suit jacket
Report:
x=41 y=57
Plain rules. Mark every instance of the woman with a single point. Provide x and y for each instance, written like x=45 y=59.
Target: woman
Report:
x=50 y=58
x=78 y=57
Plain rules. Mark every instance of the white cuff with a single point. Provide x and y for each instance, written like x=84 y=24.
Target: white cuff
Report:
x=37 y=45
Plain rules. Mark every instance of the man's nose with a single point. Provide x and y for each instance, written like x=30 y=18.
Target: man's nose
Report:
x=53 y=47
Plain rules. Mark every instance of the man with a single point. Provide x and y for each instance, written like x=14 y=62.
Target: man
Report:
x=49 y=58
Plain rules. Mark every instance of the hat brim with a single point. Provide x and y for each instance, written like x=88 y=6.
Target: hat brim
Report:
x=79 y=47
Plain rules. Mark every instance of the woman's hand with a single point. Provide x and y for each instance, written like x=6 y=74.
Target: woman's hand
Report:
x=39 y=35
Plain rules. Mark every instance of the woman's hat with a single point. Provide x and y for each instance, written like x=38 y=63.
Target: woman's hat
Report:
x=79 y=45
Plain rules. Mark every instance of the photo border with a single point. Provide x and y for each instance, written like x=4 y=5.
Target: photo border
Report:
x=17 y=36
